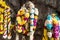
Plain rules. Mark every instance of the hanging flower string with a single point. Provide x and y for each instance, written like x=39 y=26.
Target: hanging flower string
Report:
x=33 y=19
x=1 y=23
x=7 y=24
x=55 y=26
x=48 y=24
x=27 y=15
x=23 y=17
x=52 y=24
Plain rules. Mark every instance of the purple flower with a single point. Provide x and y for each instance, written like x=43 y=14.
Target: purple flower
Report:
x=23 y=28
x=35 y=22
x=25 y=18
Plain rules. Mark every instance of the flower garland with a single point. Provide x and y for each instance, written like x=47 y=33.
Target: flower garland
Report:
x=1 y=23
x=3 y=6
x=48 y=24
x=7 y=24
x=52 y=24
x=22 y=18
x=55 y=27
x=26 y=16
x=33 y=19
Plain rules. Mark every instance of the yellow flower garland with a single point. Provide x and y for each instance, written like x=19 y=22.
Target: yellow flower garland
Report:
x=20 y=19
